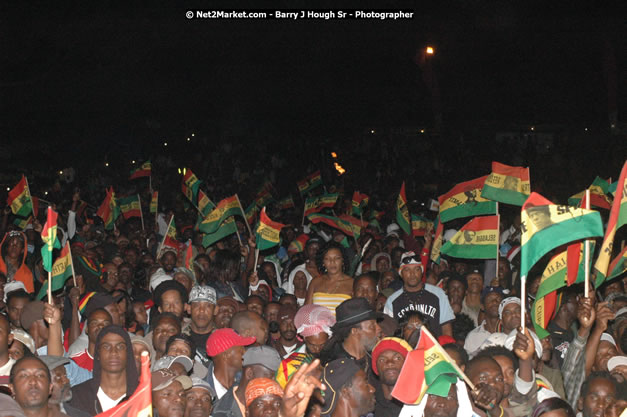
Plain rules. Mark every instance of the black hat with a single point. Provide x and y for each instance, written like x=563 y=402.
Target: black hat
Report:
x=335 y=375
x=354 y=311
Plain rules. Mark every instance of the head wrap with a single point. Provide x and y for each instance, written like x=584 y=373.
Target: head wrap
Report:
x=312 y=319
x=290 y=365
x=259 y=387
x=505 y=302
x=389 y=343
x=289 y=285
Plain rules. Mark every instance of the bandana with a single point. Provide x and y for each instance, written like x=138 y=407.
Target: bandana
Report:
x=259 y=387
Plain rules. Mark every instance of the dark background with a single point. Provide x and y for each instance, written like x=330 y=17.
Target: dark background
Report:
x=81 y=85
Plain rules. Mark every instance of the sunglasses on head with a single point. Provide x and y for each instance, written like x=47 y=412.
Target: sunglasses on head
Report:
x=409 y=260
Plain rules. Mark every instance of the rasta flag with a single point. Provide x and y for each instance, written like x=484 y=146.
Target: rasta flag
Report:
x=477 y=239
x=309 y=183
x=465 y=200
x=286 y=203
x=402 y=212
x=545 y=226
x=143 y=171
x=109 y=210
x=297 y=245
x=190 y=186
x=225 y=229
x=553 y=278
x=599 y=190
x=315 y=204
x=425 y=371
x=225 y=208
x=130 y=206
x=268 y=232
x=61 y=270
x=250 y=212
x=49 y=237
x=204 y=204
x=20 y=200
x=154 y=202
x=359 y=202
x=618 y=218
x=346 y=224
x=437 y=241
x=420 y=225
x=509 y=185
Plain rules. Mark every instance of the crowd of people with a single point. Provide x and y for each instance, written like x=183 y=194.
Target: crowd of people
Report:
x=319 y=325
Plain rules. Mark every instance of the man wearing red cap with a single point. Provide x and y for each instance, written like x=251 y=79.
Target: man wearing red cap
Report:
x=226 y=349
x=388 y=357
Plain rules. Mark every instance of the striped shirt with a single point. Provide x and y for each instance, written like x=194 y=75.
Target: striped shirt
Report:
x=330 y=301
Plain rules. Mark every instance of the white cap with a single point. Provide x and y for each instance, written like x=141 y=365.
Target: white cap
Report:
x=608 y=338
x=12 y=286
x=157 y=278
x=616 y=361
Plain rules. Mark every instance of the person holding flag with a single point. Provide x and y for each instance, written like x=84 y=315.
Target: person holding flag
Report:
x=13 y=259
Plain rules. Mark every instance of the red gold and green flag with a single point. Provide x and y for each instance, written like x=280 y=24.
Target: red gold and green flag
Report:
x=250 y=212
x=154 y=202
x=297 y=245
x=268 y=232
x=507 y=184
x=49 y=237
x=420 y=225
x=309 y=183
x=286 y=203
x=225 y=229
x=477 y=239
x=354 y=224
x=599 y=195
x=143 y=171
x=109 y=210
x=189 y=256
x=546 y=226
x=359 y=202
x=61 y=271
x=346 y=224
x=402 y=212
x=553 y=278
x=618 y=265
x=425 y=371
x=316 y=204
x=205 y=205
x=263 y=197
x=617 y=219
x=20 y=200
x=169 y=240
x=612 y=188
x=225 y=208
x=190 y=186
x=22 y=222
x=438 y=238
x=130 y=206
x=465 y=200
x=140 y=403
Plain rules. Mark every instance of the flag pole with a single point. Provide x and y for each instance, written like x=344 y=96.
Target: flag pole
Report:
x=448 y=358
x=498 y=238
x=141 y=212
x=239 y=239
x=164 y=236
x=586 y=246
x=256 y=259
x=523 y=301
x=69 y=249
x=250 y=232
x=30 y=197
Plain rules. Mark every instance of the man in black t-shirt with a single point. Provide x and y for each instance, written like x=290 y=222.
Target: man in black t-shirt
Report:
x=202 y=303
x=416 y=295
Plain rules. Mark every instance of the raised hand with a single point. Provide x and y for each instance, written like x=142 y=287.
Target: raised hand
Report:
x=524 y=346
x=299 y=390
x=52 y=314
x=484 y=396
x=603 y=315
x=586 y=313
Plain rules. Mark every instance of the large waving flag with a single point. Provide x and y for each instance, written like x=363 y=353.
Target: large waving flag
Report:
x=509 y=185
x=143 y=171
x=49 y=237
x=465 y=200
x=425 y=371
x=20 y=199
x=402 y=211
x=268 y=232
x=205 y=205
x=61 y=271
x=130 y=206
x=553 y=278
x=225 y=229
x=545 y=226
x=618 y=218
x=309 y=182
x=225 y=208
x=477 y=239
x=346 y=224
x=109 y=210
x=316 y=204
x=140 y=403
x=599 y=190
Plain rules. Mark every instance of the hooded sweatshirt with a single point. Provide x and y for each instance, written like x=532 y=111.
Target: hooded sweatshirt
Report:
x=85 y=395
x=23 y=273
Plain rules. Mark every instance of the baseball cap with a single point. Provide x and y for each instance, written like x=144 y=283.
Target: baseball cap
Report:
x=264 y=356
x=201 y=383
x=335 y=375
x=202 y=293
x=166 y=361
x=53 y=362
x=25 y=338
x=162 y=378
x=616 y=361
x=410 y=258
x=222 y=340
x=32 y=312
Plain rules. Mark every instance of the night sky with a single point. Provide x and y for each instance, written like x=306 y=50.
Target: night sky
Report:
x=122 y=76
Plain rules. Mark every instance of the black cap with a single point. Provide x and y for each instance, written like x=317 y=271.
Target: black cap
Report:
x=335 y=375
